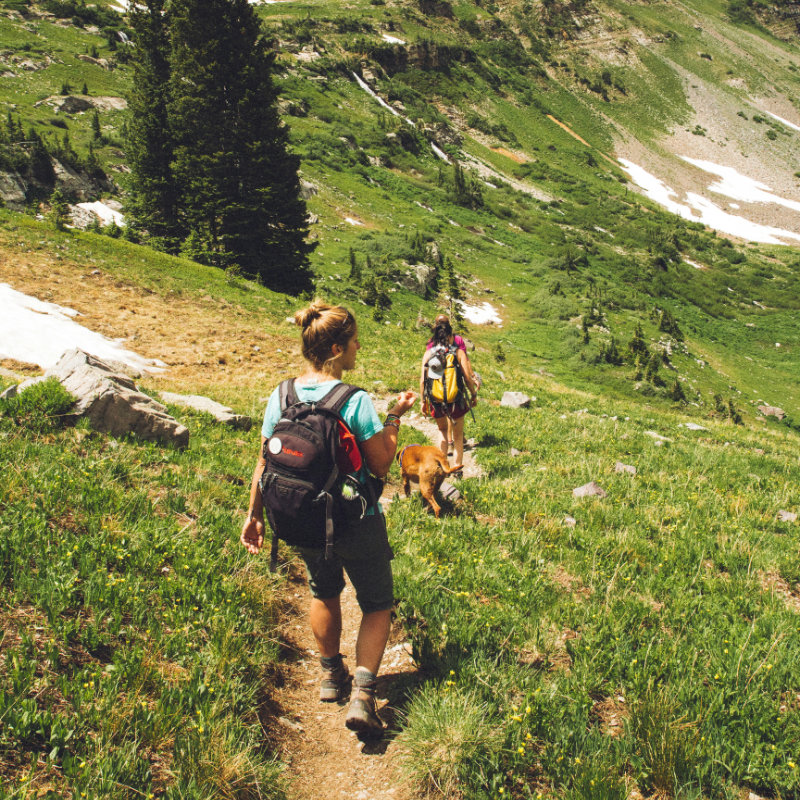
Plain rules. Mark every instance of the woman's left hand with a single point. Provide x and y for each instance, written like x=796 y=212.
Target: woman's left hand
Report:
x=404 y=401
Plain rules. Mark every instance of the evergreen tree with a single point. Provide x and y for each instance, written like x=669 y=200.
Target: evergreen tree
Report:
x=238 y=184
x=355 y=268
x=453 y=293
x=153 y=195
x=97 y=133
x=59 y=210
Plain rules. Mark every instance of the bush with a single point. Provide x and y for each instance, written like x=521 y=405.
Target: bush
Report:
x=40 y=408
x=449 y=740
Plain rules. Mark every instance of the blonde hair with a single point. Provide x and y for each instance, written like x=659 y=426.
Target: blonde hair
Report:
x=324 y=326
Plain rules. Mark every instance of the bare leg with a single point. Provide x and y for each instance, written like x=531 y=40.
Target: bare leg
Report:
x=458 y=439
x=441 y=424
x=372 y=637
x=326 y=625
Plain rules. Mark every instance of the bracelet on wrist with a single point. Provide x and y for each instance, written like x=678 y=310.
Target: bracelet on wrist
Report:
x=393 y=422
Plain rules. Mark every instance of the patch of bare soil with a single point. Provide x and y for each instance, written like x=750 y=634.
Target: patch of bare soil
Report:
x=205 y=341
x=773 y=582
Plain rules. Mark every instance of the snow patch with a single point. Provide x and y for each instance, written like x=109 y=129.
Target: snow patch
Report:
x=784 y=121
x=392 y=39
x=105 y=213
x=696 y=208
x=483 y=314
x=693 y=263
x=37 y=332
x=353 y=221
x=740 y=187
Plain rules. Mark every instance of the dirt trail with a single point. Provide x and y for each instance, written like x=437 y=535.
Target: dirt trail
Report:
x=325 y=760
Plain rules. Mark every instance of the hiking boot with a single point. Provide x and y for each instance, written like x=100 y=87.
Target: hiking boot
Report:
x=362 y=716
x=335 y=684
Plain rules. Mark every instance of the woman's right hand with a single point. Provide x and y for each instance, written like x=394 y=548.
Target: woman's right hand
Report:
x=252 y=534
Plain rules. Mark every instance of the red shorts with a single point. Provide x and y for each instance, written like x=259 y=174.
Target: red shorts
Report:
x=452 y=410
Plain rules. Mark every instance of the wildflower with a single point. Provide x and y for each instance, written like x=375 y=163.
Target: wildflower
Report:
x=577 y=760
x=527 y=709
x=520 y=750
x=528 y=735
x=791 y=764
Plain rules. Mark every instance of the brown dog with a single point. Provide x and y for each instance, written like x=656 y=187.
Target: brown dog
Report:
x=426 y=465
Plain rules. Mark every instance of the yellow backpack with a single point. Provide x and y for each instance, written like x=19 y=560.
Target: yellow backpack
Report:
x=443 y=380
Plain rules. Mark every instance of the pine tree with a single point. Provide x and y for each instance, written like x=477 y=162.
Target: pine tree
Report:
x=153 y=201
x=238 y=184
x=97 y=132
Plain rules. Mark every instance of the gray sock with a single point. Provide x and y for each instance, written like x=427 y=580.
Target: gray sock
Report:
x=365 y=679
x=331 y=662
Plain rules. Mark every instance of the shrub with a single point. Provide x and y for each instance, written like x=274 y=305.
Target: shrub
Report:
x=40 y=408
x=448 y=741
x=666 y=743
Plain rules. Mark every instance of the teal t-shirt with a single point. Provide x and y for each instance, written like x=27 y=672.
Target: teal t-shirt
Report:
x=358 y=414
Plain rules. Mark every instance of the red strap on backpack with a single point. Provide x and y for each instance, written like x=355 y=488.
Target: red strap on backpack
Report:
x=348 y=457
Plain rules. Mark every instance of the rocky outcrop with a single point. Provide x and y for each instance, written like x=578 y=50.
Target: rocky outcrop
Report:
x=515 y=400
x=220 y=412
x=772 y=411
x=112 y=403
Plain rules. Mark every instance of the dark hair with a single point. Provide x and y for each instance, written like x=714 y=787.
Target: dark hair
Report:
x=323 y=327
x=442 y=331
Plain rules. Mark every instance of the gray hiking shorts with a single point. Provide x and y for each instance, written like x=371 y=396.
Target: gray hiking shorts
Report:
x=365 y=554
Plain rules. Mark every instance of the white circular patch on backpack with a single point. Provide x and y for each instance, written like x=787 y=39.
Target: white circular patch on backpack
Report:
x=274 y=445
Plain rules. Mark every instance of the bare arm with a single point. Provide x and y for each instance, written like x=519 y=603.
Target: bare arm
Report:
x=253 y=529
x=466 y=369
x=379 y=450
x=422 y=373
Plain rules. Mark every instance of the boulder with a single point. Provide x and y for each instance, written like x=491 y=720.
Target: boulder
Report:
x=692 y=426
x=515 y=400
x=12 y=190
x=220 y=412
x=772 y=411
x=627 y=468
x=787 y=516
x=111 y=401
x=73 y=105
x=591 y=489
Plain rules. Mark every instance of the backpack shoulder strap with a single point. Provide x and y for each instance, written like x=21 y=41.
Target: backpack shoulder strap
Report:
x=337 y=397
x=287 y=394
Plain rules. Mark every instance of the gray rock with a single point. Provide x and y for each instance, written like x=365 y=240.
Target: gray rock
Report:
x=658 y=437
x=220 y=412
x=787 y=516
x=74 y=105
x=9 y=392
x=772 y=411
x=12 y=190
x=620 y=467
x=514 y=452
x=692 y=426
x=591 y=489
x=515 y=400
x=449 y=492
x=111 y=401
x=570 y=522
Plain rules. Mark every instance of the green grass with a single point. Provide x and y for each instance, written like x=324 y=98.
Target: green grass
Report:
x=663 y=603
x=129 y=665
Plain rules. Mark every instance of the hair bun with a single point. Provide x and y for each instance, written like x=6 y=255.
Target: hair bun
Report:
x=306 y=316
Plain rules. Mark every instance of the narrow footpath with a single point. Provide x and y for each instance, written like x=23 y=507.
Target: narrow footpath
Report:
x=324 y=760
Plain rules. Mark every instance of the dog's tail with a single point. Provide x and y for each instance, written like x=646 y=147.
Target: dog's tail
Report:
x=446 y=468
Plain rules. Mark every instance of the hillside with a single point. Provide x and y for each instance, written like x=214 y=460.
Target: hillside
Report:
x=641 y=644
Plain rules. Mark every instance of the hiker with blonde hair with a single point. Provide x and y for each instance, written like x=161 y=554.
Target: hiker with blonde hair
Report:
x=361 y=547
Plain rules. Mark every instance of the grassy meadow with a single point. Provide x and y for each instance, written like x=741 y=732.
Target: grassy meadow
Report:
x=641 y=644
